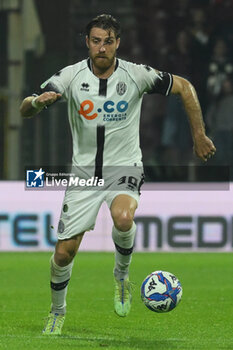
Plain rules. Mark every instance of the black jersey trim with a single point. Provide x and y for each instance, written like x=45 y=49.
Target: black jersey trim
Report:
x=89 y=64
x=162 y=84
x=117 y=64
x=170 y=85
x=103 y=83
x=100 y=151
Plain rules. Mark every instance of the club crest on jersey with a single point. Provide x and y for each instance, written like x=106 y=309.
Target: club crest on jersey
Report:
x=85 y=87
x=121 y=88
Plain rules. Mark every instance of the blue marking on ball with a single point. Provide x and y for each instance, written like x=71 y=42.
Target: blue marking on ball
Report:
x=158 y=300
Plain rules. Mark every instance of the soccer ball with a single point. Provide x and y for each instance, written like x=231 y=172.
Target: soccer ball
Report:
x=161 y=291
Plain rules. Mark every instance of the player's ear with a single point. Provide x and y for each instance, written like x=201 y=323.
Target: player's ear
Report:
x=118 y=42
x=87 y=41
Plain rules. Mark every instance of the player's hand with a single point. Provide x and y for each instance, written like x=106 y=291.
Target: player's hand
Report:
x=46 y=99
x=203 y=147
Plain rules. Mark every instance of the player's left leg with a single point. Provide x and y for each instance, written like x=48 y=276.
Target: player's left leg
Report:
x=123 y=233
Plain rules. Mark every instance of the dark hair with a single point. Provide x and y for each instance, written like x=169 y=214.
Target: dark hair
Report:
x=105 y=22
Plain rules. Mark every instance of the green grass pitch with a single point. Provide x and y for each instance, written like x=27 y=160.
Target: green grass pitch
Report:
x=203 y=319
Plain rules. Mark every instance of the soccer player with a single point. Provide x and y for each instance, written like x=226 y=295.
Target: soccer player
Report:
x=104 y=96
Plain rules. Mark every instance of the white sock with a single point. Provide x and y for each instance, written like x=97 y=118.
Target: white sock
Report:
x=60 y=277
x=124 y=242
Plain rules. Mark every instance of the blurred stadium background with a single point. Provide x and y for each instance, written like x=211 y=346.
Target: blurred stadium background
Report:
x=191 y=38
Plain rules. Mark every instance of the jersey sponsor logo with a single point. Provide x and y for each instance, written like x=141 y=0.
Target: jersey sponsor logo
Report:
x=112 y=111
x=121 y=88
x=86 y=107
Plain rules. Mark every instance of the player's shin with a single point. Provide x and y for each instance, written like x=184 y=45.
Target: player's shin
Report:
x=124 y=242
x=60 y=277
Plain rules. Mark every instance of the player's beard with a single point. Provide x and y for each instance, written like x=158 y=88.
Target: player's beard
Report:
x=103 y=63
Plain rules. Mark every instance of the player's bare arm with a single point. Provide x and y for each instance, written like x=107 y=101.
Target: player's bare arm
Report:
x=33 y=105
x=203 y=146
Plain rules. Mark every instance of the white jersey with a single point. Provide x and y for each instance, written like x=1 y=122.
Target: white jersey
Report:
x=104 y=114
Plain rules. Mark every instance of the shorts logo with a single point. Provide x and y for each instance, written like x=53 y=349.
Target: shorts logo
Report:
x=121 y=88
x=35 y=178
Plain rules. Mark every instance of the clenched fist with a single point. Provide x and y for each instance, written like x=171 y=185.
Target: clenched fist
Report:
x=204 y=147
x=45 y=99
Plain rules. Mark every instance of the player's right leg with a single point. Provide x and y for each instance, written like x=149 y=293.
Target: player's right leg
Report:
x=78 y=215
x=61 y=264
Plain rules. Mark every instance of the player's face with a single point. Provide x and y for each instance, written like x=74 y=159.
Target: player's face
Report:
x=102 y=46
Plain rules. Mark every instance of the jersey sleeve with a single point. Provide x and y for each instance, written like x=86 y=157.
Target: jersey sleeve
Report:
x=151 y=81
x=162 y=84
x=59 y=82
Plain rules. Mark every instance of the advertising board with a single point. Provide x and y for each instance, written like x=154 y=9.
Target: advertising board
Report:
x=169 y=218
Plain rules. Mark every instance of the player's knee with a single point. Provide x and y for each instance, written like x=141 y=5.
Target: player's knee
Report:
x=64 y=257
x=123 y=220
